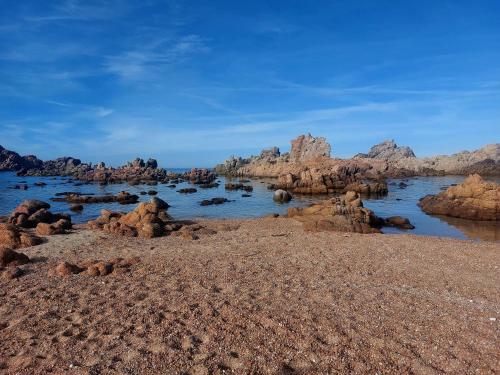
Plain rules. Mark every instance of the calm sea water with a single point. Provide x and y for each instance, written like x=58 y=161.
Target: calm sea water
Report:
x=186 y=206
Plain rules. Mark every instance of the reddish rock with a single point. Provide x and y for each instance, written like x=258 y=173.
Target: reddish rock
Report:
x=14 y=237
x=474 y=199
x=65 y=269
x=343 y=214
x=9 y=257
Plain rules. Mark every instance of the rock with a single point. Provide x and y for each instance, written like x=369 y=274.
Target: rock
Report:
x=14 y=237
x=399 y=222
x=343 y=214
x=282 y=196
x=40 y=184
x=9 y=257
x=239 y=186
x=209 y=186
x=246 y=195
x=374 y=188
x=388 y=150
x=200 y=176
x=122 y=197
x=152 y=192
x=209 y=202
x=147 y=220
x=152 y=163
x=65 y=269
x=187 y=191
x=12 y=273
x=76 y=207
x=31 y=213
x=306 y=147
x=474 y=199
x=12 y=161
x=402 y=185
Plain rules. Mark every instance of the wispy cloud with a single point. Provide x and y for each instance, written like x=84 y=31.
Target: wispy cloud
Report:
x=138 y=62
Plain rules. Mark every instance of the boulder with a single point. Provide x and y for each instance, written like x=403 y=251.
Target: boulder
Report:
x=388 y=150
x=76 y=207
x=9 y=257
x=14 y=237
x=342 y=214
x=474 y=199
x=282 y=196
x=399 y=222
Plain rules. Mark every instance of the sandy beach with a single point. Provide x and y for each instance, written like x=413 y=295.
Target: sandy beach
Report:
x=256 y=296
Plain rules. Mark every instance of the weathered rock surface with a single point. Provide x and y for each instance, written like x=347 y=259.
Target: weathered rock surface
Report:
x=93 y=268
x=388 y=150
x=343 y=214
x=474 y=199
x=307 y=147
x=147 y=220
x=11 y=258
x=282 y=196
x=12 y=161
x=35 y=213
x=13 y=237
x=200 y=176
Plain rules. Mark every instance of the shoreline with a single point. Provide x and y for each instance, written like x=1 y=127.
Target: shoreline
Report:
x=259 y=295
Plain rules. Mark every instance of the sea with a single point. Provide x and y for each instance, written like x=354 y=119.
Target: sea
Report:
x=399 y=201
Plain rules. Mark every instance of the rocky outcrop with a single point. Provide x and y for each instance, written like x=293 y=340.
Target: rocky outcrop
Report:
x=388 y=150
x=474 y=199
x=147 y=220
x=13 y=237
x=34 y=213
x=307 y=147
x=200 y=176
x=332 y=178
x=65 y=166
x=12 y=161
x=342 y=214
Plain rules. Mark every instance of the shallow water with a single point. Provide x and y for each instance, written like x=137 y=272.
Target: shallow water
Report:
x=186 y=206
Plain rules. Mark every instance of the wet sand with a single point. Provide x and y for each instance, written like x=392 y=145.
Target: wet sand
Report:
x=259 y=296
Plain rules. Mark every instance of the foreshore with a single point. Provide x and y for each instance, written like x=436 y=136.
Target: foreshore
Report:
x=255 y=296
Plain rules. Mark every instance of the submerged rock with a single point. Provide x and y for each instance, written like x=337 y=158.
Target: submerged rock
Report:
x=209 y=202
x=282 y=196
x=122 y=197
x=474 y=199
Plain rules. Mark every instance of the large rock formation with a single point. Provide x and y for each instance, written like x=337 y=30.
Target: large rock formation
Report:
x=401 y=161
x=388 y=150
x=474 y=199
x=307 y=147
x=342 y=214
x=12 y=161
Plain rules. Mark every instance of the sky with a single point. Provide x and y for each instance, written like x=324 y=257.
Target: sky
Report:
x=193 y=82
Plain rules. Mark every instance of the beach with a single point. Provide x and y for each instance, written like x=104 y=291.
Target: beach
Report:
x=255 y=296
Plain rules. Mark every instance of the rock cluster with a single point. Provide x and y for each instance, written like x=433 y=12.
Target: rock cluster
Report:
x=238 y=186
x=34 y=213
x=388 y=150
x=307 y=147
x=474 y=199
x=200 y=176
x=343 y=214
x=147 y=220
x=122 y=197
x=329 y=180
x=13 y=237
x=93 y=268
x=12 y=161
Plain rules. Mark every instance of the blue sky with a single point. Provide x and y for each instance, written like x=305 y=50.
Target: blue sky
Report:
x=192 y=82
